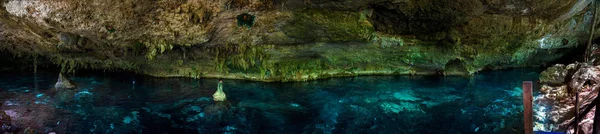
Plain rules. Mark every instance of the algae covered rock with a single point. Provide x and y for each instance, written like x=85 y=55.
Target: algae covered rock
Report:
x=559 y=92
x=219 y=94
x=554 y=75
x=292 y=40
x=329 y=26
x=64 y=83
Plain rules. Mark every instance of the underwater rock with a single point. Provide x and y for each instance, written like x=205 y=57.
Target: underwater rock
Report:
x=219 y=94
x=8 y=129
x=28 y=130
x=6 y=125
x=390 y=107
x=64 y=83
x=65 y=96
x=4 y=118
x=406 y=95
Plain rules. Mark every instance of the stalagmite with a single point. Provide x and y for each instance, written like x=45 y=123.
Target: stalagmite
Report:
x=219 y=94
x=64 y=83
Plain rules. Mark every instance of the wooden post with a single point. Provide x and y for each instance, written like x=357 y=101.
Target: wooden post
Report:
x=528 y=107
x=576 y=127
x=596 y=127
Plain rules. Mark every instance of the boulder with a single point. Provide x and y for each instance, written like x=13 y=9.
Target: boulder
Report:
x=554 y=75
x=555 y=92
x=64 y=83
x=585 y=75
x=556 y=103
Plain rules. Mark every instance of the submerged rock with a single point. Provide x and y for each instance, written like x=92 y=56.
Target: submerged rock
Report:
x=64 y=83
x=406 y=95
x=5 y=118
x=390 y=107
x=6 y=125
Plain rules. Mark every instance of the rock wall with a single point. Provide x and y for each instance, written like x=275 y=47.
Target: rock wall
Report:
x=555 y=106
x=293 y=40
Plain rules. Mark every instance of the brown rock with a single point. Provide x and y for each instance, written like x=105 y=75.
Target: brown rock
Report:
x=556 y=92
x=560 y=97
x=585 y=75
x=554 y=75
x=4 y=118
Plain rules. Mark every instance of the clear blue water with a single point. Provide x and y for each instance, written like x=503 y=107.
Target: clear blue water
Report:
x=488 y=102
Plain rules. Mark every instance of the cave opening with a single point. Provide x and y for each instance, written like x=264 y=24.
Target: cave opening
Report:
x=455 y=67
x=245 y=20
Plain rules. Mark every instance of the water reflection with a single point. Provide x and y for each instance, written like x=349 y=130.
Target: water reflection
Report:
x=115 y=103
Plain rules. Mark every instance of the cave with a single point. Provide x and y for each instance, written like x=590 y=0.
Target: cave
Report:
x=455 y=67
x=296 y=66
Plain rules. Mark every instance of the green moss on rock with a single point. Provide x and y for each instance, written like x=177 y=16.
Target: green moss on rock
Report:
x=322 y=25
x=199 y=39
x=554 y=75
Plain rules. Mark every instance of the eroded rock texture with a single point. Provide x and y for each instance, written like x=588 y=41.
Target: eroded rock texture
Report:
x=293 y=39
x=64 y=83
x=555 y=107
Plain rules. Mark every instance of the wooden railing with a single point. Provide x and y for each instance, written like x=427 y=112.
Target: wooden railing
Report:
x=528 y=107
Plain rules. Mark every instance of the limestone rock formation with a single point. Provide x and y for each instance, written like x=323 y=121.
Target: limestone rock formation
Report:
x=554 y=75
x=219 y=95
x=556 y=104
x=64 y=83
x=293 y=40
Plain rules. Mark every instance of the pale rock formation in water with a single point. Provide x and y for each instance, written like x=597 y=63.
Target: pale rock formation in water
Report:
x=64 y=82
x=220 y=95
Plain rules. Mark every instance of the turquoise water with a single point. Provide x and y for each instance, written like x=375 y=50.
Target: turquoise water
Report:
x=488 y=102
